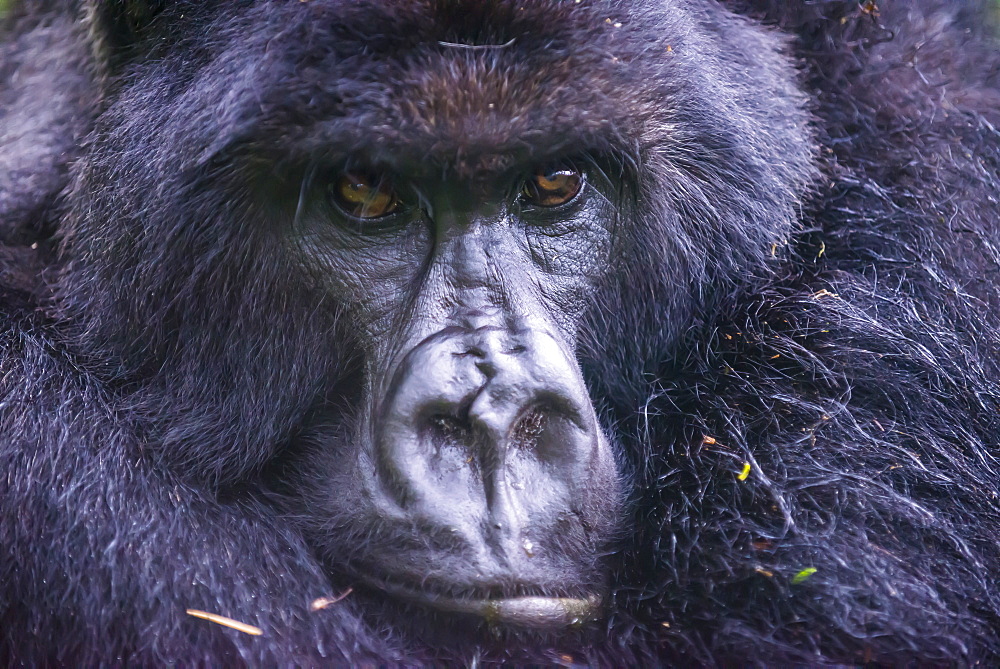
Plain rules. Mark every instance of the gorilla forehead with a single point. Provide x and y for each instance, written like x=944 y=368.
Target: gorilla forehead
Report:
x=476 y=86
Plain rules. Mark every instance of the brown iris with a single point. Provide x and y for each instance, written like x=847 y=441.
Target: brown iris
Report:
x=365 y=195
x=551 y=187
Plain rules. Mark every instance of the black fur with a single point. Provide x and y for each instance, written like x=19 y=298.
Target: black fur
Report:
x=808 y=286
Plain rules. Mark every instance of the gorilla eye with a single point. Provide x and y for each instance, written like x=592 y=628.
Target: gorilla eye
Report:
x=551 y=187
x=364 y=195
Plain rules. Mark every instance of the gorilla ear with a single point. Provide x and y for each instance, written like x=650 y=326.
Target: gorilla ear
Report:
x=122 y=24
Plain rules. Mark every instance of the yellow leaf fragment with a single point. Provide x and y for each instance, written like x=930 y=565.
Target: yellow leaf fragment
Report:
x=745 y=473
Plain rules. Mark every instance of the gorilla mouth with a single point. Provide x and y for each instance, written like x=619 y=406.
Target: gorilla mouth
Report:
x=536 y=611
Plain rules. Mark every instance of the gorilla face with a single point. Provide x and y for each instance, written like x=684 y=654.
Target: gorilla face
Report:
x=478 y=474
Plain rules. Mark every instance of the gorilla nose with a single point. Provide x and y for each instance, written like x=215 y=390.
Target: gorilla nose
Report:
x=485 y=429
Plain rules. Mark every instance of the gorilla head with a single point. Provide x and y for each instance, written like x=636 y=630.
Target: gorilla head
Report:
x=394 y=230
x=512 y=317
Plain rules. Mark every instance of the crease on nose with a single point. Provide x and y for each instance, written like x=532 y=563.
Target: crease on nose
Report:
x=468 y=409
x=487 y=377
x=496 y=407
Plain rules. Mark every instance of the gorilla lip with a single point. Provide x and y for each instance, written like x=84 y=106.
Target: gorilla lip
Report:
x=523 y=611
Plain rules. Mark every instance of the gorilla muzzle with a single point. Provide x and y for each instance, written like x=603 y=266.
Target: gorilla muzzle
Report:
x=488 y=435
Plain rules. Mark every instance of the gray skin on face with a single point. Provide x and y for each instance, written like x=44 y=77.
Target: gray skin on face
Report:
x=480 y=458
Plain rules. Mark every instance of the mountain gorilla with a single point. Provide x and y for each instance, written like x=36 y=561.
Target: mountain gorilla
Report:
x=530 y=331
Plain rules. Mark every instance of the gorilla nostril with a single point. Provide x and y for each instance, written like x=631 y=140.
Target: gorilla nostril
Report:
x=528 y=429
x=445 y=429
